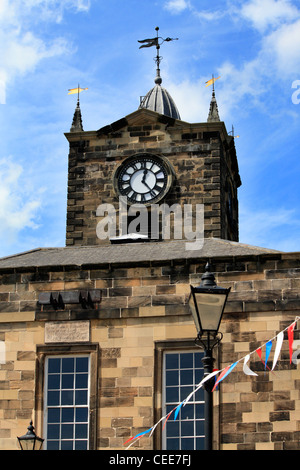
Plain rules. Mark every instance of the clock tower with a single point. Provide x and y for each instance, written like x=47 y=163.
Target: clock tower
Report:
x=147 y=163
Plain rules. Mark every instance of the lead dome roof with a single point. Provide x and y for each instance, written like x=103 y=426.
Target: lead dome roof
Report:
x=158 y=99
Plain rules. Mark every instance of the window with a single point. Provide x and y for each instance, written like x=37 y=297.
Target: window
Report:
x=182 y=371
x=67 y=403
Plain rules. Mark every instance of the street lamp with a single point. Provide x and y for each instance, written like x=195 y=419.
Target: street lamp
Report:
x=30 y=441
x=207 y=303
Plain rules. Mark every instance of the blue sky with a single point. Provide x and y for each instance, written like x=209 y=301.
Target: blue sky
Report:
x=49 y=46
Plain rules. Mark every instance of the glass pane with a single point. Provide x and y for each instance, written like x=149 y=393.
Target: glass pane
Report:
x=53 y=445
x=211 y=309
x=53 y=431
x=53 y=399
x=198 y=361
x=186 y=361
x=66 y=445
x=80 y=397
x=200 y=411
x=186 y=377
x=200 y=442
x=53 y=415
x=187 y=412
x=172 y=361
x=53 y=366
x=198 y=375
x=82 y=364
x=172 y=377
x=81 y=381
x=199 y=428
x=67 y=381
x=53 y=381
x=187 y=444
x=81 y=415
x=67 y=397
x=80 y=445
x=81 y=431
x=187 y=428
x=67 y=415
x=172 y=394
x=185 y=391
x=199 y=396
x=67 y=431
x=68 y=364
x=173 y=444
x=173 y=428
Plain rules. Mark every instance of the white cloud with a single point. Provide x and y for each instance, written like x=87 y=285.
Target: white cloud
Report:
x=235 y=84
x=20 y=48
x=177 y=6
x=269 y=13
x=18 y=208
x=192 y=99
x=283 y=45
x=269 y=228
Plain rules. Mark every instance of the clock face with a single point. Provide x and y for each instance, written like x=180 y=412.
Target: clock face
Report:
x=143 y=179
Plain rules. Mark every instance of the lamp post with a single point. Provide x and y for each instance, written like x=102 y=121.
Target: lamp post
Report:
x=30 y=441
x=207 y=303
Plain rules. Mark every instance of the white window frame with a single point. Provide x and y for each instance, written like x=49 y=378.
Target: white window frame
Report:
x=46 y=376
x=192 y=401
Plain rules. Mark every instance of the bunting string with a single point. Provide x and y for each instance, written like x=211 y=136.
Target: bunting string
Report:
x=223 y=373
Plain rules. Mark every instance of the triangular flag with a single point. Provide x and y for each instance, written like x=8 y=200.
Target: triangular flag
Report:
x=258 y=350
x=177 y=410
x=246 y=369
x=138 y=435
x=278 y=348
x=207 y=377
x=291 y=339
x=224 y=374
x=168 y=416
x=268 y=350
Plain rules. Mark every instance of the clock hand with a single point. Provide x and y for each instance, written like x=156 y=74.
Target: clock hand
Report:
x=147 y=185
x=144 y=176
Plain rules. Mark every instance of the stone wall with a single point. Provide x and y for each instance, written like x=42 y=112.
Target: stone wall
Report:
x=203 y=158
x=141 y=307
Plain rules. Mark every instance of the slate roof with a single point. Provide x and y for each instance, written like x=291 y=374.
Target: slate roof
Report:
x=129 y=253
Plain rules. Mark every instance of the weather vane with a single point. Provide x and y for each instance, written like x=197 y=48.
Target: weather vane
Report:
x=157 y=42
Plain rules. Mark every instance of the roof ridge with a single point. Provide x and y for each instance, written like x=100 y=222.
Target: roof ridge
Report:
x=21 y=253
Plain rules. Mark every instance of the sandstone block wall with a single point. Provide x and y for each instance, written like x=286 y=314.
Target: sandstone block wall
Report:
x=143 y=307
x=203 y=160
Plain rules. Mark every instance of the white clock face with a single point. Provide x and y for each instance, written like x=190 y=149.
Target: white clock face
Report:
x=143 y=179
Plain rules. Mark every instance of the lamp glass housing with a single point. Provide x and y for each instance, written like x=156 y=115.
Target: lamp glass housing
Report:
x=207 y=306
x=30 y=441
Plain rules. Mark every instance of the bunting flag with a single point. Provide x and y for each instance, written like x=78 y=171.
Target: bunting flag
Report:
x=247 y=369
x=259 y=352
x=291 y=339
x=177 y=410
x=168 y=416
x=207 y=377
x=268 y=350
x=138 y=435
x=223 y=373
x=279 y=342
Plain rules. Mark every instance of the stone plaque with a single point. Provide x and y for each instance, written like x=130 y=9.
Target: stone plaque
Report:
x=67 y=332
